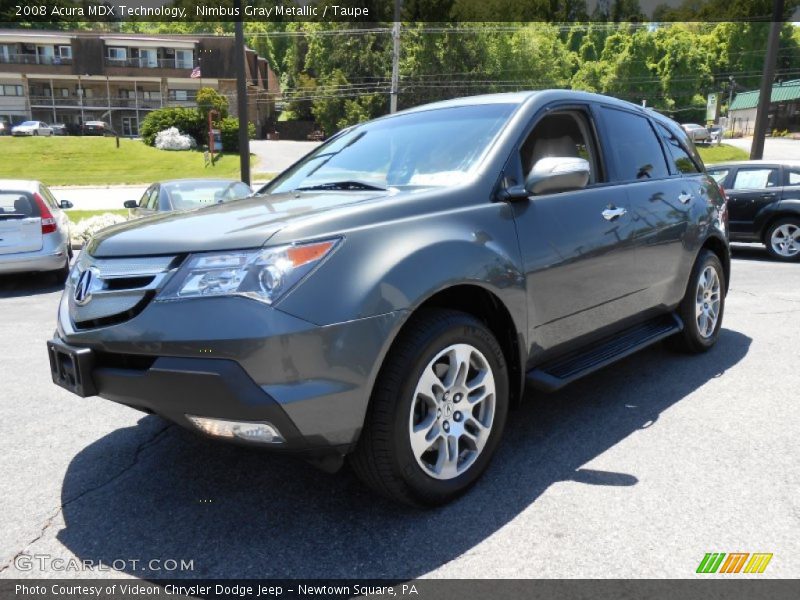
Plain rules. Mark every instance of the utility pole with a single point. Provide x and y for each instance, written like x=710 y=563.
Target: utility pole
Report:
x=730 y=94
x=241 y=95
x=765 y=94
x=395 y=58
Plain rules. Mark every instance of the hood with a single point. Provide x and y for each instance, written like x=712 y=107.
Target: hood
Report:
x=245 y=223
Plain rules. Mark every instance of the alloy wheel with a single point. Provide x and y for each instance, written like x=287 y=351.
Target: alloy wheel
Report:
x=785 y=240
x=452 y=411
x=707 y=302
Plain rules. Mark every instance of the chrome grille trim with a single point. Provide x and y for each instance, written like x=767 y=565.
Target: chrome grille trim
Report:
x=106 y=305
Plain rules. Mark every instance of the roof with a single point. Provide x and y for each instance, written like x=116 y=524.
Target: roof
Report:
x=782 y=92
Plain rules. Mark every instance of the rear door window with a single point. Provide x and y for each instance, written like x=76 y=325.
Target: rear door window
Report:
x=792 y=177
x=634 y=146
x=755 y=178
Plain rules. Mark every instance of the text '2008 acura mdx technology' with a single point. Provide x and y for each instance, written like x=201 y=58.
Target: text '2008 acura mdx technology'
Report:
x=389 y=296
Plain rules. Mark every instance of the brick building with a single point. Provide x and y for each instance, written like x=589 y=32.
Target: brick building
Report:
x=74 y=77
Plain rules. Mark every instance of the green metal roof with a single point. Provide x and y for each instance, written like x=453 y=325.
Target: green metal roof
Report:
x=788 y=90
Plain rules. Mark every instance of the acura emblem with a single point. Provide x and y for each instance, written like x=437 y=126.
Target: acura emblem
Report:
x=83 y=288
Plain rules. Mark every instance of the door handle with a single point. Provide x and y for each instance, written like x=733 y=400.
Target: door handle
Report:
x=685 y=198
x=612 y=213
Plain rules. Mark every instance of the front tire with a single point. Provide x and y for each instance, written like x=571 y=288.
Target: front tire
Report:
x=783 y=239
x=437 y=412
x=702 y=307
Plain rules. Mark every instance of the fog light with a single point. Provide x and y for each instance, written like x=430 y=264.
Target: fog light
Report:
x=251 y=431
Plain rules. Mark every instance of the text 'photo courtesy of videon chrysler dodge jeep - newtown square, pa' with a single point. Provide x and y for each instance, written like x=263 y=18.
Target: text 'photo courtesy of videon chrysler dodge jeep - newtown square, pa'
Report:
x=386 y=299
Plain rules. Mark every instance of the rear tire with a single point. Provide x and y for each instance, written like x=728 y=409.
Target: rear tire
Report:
x=437 y=411
x=702 y=307
x=783 y=239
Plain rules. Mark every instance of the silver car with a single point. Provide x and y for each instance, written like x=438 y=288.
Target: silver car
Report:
x=31 y=128
x=34 y=230
x=696 y=133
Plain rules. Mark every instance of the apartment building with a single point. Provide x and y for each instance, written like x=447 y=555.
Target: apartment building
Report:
x=75 y=77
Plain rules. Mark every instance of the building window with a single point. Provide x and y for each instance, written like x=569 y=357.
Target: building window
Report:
x=148 y=95
x=148 y=58
x=11 y=90
x=65 y=52
x=130 y=126
x=182 y=95
x=184 y=59
x=119 y=54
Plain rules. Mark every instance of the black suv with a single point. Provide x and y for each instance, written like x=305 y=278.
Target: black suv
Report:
x=763 y=203
x=388 y=297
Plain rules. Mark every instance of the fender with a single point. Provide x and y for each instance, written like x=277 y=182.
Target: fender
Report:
x=470 y=245
x=786 y=207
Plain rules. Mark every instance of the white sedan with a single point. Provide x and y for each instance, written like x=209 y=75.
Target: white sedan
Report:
x=32 y=128
x=697 y=133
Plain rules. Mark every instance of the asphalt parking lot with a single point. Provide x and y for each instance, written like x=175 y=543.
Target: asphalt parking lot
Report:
x=636 y=471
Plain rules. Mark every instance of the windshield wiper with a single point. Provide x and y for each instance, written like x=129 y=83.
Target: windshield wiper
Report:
x=349 y=185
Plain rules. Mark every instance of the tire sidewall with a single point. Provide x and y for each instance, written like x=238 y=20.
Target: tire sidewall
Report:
x=425 y=488
x=707 y=259
x=768 y=240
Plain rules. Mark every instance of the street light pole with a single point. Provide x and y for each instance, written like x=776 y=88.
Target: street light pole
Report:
x=241 y=95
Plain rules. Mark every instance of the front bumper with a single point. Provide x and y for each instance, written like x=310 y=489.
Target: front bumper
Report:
x=236 y=359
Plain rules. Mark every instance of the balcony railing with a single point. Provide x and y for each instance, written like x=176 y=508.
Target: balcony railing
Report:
x=105 y=102
x=33 y=59
x=148 y=63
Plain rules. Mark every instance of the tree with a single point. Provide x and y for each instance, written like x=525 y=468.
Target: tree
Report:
x=209 y=99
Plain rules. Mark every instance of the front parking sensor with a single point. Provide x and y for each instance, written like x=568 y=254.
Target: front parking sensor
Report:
x=251 y=431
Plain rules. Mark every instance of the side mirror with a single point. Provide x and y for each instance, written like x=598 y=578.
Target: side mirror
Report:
x=130 y=204
x=557 y=174
x=66 y=204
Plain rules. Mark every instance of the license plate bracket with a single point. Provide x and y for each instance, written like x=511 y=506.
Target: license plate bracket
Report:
x=71 y=367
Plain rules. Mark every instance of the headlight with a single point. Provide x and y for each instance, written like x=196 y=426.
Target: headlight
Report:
x=265 y=274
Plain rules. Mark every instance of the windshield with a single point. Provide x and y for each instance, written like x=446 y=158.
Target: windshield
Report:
x=432 y=148
x=185 y=195
x=29 y=123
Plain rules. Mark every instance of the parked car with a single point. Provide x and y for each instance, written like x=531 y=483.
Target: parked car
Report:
x=32 y=128
x=187 y=194
x=697 y=133
x=763 y=203
x=59 y=129
x=34 y=230
x=388 y=296
x=98 y=128
x=5 y=128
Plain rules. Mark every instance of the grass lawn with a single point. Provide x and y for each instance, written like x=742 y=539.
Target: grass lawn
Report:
x=97 y=161
x=723 y=153
x=76 y=216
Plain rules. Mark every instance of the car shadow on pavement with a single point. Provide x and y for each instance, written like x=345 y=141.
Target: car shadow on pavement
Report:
x=157 y=492
x=751 y=252
x=28 y=284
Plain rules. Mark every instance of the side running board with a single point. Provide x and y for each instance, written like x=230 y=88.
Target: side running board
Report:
x=557 y=373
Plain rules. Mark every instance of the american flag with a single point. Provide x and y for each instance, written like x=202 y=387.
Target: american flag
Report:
x=195 y=73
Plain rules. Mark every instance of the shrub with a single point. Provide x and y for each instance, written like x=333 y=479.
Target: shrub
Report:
x=82 y=232
x=172 y=139
x=229 y=129
x=188 y=121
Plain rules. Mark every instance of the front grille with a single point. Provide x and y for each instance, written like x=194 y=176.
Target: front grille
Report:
x=108 y=291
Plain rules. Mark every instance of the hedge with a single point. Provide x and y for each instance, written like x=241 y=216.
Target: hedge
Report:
x=187 y=120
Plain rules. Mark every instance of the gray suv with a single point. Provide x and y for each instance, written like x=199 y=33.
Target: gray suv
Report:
x=389 y=296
